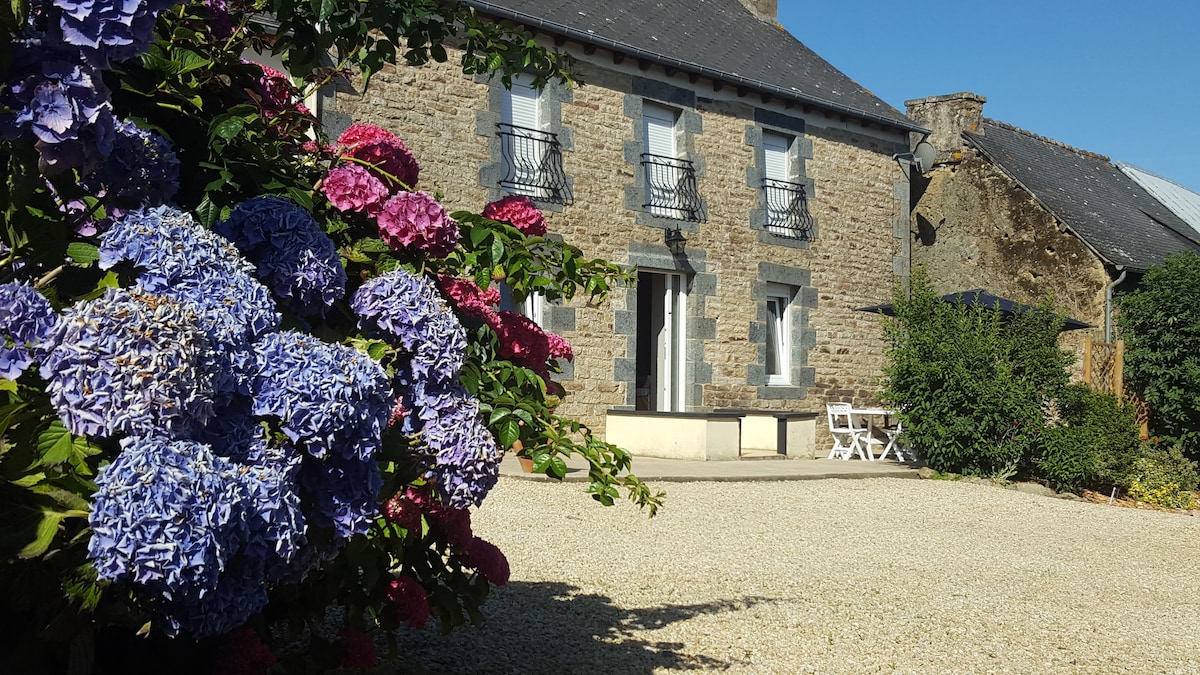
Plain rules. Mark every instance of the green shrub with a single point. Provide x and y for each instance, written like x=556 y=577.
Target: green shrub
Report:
x=1160 y=323
x=1164 y=476
x=1094 y=445
x=970 y=383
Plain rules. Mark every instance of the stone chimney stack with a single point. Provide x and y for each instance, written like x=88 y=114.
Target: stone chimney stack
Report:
x=766 y=10
x=948 y=116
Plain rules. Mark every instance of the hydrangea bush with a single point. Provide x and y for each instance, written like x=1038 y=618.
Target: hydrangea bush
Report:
x=249 y=372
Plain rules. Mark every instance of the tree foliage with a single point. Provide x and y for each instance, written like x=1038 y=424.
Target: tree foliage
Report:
x=971 y=383
x=1160 y=324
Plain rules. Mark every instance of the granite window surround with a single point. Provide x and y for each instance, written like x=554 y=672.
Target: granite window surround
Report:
x=699 y=328
x=801 y=150
x=492 y=171
x=802 y=337
x=690 y=125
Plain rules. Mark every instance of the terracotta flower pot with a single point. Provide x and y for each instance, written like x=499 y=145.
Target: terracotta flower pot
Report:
x=526 y=464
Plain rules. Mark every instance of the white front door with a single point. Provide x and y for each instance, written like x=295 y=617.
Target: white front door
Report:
x=662 y=357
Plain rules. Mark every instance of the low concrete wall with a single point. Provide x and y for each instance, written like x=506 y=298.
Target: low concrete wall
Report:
x=723 y=435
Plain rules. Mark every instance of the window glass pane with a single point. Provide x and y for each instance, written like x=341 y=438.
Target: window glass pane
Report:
x=774 y=326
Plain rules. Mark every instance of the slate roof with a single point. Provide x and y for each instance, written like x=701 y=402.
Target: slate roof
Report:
x=1182 y=201
x=713 y=38
x=1111 y=213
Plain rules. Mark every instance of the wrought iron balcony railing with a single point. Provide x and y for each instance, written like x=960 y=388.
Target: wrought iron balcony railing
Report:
x=671 y=188
x=787 y=210
x=533 y=164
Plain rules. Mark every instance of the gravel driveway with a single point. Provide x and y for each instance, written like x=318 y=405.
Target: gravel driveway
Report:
x=829 y=576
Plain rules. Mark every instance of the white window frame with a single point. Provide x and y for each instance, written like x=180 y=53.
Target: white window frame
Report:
x=528 y=115
x=660 y=131
x=533 y=307
x=777 y=165
x=779 y=335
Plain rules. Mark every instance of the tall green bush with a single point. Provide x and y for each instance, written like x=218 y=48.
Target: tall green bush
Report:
x=1094 y=443
x=1160 y=324
x=970 y=382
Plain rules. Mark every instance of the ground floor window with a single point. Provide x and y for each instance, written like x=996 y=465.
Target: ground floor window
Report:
x=661 y=356
x=778 y=356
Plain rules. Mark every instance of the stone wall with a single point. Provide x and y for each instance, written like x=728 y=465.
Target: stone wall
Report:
x=974 y=227
x=858 y=198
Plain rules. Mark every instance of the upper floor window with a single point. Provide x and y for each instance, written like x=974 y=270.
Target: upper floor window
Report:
x=531 y=155
x=671 y=190
x=786 y=200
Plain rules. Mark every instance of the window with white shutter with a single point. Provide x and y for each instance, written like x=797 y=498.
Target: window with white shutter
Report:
x=786 y=200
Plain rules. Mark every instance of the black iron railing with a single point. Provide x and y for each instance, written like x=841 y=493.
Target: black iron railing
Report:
x=671 y=188
x=533 y=164
x=787 y=210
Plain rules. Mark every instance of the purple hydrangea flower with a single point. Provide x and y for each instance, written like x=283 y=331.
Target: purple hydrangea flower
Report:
x=463 y=457
x=26 y=319
x=108 y=31
x=346 y=491
x=179 y=259
x=129 y=362
x=326 y=397
x=294 y=257
x=166 y=515
x=408 y=309
x=61 y=102
x=140 y=171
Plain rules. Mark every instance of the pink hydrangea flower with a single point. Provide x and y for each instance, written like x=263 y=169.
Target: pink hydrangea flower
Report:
x=242 y=652
x=383 y=152
x=488 y=560
x=404 y=512
x=521 y=340
x=399 y=412
x=351 y=187
x=450 y=525
x=559 y=347
x=469 y=298
x=520 y=212
x=417 y=220
x=410 y=600
x=357 y=650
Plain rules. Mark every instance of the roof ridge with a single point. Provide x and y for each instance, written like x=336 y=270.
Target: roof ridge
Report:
x=1045 y=139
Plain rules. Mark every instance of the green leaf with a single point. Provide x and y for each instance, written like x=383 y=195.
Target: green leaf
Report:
x=323 y=8
x=8 y=385
x=46 y=529
x=509 y=431
x=54 y=444
x=227 y=126
x=187 y=61
x=83 y=253
x=497 y=415
x=558 y=467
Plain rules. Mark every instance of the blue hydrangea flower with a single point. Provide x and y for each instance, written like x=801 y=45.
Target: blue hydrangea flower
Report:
x=140 y=171
x=346 y=491
x=166 y=515
x=294 y=257
x=462 y=454
x=407 y=310
x=108 y=31
x=61 y=102
x=239 y=592
x=326 y=397
x=276 y=526
x=26 y=318
x=179 y=259
x=129 y=362
x=233 y=432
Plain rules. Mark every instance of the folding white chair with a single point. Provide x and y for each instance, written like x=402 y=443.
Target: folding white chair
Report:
x=846 y=435
x=893 y=445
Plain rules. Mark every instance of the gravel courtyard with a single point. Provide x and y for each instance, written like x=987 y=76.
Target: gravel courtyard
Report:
x=829 y=576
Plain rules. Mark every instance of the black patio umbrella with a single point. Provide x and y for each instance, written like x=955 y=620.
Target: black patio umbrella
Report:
x=983 y=299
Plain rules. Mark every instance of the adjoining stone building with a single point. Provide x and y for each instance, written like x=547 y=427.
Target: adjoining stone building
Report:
x=704 y=121
x=1025 y=216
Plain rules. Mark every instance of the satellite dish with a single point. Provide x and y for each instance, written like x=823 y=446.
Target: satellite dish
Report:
x=923 y=156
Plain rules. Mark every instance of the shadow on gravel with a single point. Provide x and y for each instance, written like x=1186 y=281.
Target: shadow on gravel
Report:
x=553 y=628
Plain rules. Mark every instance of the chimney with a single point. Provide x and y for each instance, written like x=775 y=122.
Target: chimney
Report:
x=948 y=116
x=765 y=10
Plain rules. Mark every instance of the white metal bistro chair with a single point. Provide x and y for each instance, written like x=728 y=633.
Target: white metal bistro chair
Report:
x=846 y=434
x=893 y=443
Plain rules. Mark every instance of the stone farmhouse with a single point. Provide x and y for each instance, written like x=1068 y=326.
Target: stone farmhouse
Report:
x=1023 y=216
x=751 y=183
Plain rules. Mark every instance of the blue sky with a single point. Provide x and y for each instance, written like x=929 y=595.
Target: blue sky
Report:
x=1118 y=79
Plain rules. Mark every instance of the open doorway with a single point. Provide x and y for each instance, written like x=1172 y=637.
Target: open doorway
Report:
x=661 y=356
